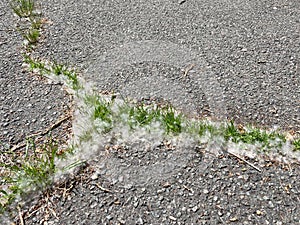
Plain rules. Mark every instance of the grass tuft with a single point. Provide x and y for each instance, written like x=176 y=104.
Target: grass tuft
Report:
x=37 y=167
x=70 y=74
x=296 y=144
x=102 y=111
x=36 y=65
x=32 y=172
x=23 y=8
x=203 y=128
x=30 y=28
x=142 y=115
x=31 y=35
x=252 y=136
x=55 y=68
x=171 y=121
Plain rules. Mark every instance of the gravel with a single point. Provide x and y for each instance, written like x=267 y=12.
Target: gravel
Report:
x=204 y=189
x=28 y=103
x=250 y=48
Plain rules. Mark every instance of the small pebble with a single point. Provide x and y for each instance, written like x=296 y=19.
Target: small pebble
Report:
x=266 y=198
x=121 y=221
x=172 y=218
x=140 y=221
x=258 y=212
x=195 y=208
x=94 y=176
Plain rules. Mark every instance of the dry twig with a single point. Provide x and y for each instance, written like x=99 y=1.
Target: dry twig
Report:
x=103 y=189
x=21 y=216
x=245 y=161
x=41 y=133
x=187 y=70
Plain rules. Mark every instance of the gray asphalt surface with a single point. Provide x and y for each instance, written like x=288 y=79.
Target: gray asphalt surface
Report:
x=28 y=104
x=250 y=47
x=204 y=189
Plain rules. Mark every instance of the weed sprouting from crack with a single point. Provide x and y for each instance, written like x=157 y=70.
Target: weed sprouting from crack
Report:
x=102 y=113
x=296 y=144
x=39 y=165
x=62 y=70
x=36 y=65
x=35 y=168
x=142 y=115
x=110 y=116
x=32 y=171
x=23 y=8
x=59 y=70
x=172 y=122
x=252 y=135
x=31 y=35
x=30 y=27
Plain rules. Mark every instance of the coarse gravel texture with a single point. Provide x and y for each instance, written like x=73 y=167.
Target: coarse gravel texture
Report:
x=203 y=189
x=253 y=50
x=251 y=47
x=28 y=103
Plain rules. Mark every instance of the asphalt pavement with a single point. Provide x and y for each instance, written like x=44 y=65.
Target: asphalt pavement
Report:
x=224 y=59
x=249 y=48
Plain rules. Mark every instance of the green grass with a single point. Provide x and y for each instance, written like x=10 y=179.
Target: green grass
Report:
x=31 y=35
x=142 y=115
x=55 y=68
x=35 y=64
x=32 y=171
x=23 y=8
x=73 y=79
x=253 y=135
x=36 y=23
x=296 y=144
x=101 y=108
x=107 y=115
x=30 y=29
x=102 y=112
x=36 y=167
x=36 y=170
x=58 y=69
x=202 y=128
x=172 y=122
x=63 y=70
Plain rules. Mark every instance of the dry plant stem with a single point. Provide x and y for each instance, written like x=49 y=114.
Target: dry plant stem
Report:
x=245 y=161
x=53 y=212
x=187 y=70
x=4 y=42
x=41 y=133
x=21 y=216
x=104 y=189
